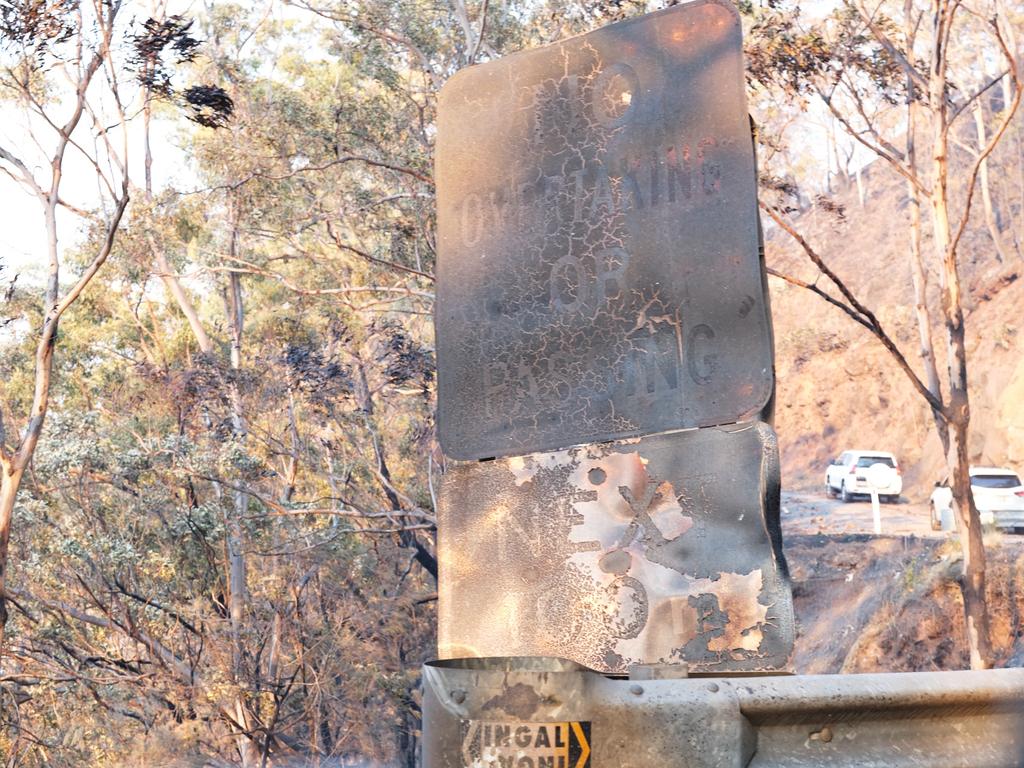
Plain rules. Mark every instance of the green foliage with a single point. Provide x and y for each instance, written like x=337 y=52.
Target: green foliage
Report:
x=785 y=52
x=299 y=443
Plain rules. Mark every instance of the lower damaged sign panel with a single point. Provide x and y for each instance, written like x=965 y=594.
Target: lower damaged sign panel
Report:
x=661 y=549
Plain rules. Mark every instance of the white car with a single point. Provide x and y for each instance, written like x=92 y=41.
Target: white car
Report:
x=854 y=471
x=998 y=495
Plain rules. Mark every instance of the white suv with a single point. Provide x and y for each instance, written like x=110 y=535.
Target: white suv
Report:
x=848 y=475
x=998 y=495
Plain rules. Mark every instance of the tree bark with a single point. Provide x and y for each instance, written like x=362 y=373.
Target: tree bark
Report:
x=16 y=465
x=958 y=412
x=972 y=581
x=991 y=214
x=10 y=480
x=174 y=288
x=170 y=280
x=236 y=555
x=237 y=587
x=1008 y=86
x=919 y=276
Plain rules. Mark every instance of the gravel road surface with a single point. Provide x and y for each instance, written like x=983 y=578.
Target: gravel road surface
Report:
x=809 y=513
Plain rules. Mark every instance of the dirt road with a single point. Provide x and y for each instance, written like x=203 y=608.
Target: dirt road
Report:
x=809 y=513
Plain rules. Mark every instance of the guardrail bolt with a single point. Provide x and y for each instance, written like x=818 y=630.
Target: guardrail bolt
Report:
x=824 y=735
x=458 y=696
x=636 y=690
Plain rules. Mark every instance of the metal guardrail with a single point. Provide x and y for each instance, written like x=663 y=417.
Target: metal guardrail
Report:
x=536 y=712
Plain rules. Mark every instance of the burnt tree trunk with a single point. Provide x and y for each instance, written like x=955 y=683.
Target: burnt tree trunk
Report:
x=957 y=410
x=972 y=580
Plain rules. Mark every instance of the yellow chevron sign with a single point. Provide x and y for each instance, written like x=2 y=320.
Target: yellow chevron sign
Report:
x=492 y=744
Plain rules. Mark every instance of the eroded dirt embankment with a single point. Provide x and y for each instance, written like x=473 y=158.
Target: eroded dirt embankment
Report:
x=838 y=388
x=892 y=604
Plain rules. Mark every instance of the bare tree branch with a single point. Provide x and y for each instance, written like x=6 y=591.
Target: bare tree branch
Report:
x=101 y=257
x=25 y=174
x=1004 y=123
x=890 y=47
x=853 y=314
x=480 y=33
x=253 y=269
x=894 y=157
x=366 y=256
x=977 y=94
x=870 y=321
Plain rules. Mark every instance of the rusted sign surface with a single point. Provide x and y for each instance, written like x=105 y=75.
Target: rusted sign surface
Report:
x=598 y=264
x=662 y=549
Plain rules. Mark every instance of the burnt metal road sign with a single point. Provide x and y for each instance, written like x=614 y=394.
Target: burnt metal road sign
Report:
x=662 y=549
x=599 y=272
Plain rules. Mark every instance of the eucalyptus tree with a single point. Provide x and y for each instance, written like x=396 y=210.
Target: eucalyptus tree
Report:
x=863 y=64
x=228 y=538
x=59 y=57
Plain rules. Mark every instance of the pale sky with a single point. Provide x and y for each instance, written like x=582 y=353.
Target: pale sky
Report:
x=22 y=239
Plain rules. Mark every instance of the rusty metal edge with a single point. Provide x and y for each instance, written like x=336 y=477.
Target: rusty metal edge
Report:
x=672 y=9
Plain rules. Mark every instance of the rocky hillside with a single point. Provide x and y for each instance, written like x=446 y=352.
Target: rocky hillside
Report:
x=838 y=387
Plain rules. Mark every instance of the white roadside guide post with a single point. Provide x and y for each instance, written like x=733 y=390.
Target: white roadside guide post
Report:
x=878 y=477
